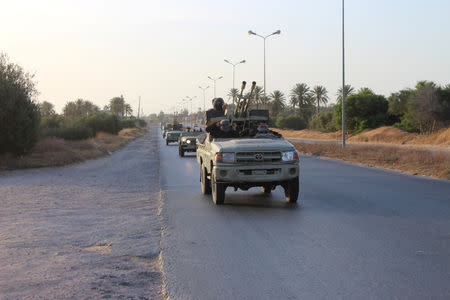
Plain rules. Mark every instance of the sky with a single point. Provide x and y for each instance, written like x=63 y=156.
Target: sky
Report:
x=163 y=51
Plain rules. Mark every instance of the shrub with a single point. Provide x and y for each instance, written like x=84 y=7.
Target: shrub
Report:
x=363 y=110
x=291 y=122
x=323 y=121
x=127 y=123
x=103 y=122
x=19 y=114
x=74 y=130
x=52 y=121
x=142 y=123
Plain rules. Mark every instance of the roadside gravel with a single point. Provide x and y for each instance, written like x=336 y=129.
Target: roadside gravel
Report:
x=84 y=231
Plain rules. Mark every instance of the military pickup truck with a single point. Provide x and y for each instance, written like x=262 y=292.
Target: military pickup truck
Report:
x=247 y=162
x=173 y=136
x=187 y=142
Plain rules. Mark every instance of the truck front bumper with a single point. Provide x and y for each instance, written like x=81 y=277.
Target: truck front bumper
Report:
x=189 y=148
x=256 y=174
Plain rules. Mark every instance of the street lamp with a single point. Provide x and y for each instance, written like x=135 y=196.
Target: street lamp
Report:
x=204 y=89
x=190 y=99
x=343 y=79
x=264 y=38
x=215 y=79
x=234 y=66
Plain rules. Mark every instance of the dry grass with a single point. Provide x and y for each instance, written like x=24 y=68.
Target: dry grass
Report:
x=50 y=152
x=412 y=161
x=386 y=134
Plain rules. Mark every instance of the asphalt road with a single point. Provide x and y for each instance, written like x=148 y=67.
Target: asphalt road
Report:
x=359 y=233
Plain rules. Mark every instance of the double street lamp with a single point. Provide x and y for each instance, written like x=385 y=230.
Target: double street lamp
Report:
x=234 y=66
x=190 y=99
x=214 y=80
x=204 y=89
x=264 y=38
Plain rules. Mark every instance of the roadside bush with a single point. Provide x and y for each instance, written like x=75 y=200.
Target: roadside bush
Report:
x=52 y=121
x=127 y=123
x=19 y=114
x=142 y=123
x=75 y=130
x=323 y=121
x=103 y=122
x=291 y=122
x=363 y=110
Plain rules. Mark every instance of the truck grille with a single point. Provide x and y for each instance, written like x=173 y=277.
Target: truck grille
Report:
x=258 y=157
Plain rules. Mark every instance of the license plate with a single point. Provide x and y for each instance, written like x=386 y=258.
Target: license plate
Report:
x=259 y=172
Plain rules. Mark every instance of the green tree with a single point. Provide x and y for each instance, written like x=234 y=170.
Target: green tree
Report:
x=79 y=108
x=348 y=90
x=363 y=110
x=19 y=114
x=277 y=103
x=300 y=95
x=128 y=109
x=233 y=94
x=320 y=95
x=46 y=109
x=117 y=105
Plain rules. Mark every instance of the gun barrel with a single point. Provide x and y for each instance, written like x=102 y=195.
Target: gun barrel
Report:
x=246 y=104
x=239 y=100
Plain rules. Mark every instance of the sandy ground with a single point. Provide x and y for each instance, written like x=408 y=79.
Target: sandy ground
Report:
x=85 y=231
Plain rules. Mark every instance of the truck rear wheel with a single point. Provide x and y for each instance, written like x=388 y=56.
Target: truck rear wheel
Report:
x=291 y=189
x=218 y=191
x=205 y=182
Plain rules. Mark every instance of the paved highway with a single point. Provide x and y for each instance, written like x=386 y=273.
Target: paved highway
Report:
x=359 y=233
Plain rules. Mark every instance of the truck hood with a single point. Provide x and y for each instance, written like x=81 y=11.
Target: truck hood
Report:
x=252 y=144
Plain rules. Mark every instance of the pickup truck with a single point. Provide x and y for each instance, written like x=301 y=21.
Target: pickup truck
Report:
x=247 y=162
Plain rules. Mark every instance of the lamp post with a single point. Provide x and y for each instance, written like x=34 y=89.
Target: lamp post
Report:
x=190 y=99
x=264 y=39
x=204 y=89
x=234 y=67
x=343 y=80
x=214 y=80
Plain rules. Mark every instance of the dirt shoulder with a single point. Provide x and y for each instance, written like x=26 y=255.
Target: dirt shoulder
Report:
x=406 y=159
x=84 y=231
x=383 y=135
x=51 y=152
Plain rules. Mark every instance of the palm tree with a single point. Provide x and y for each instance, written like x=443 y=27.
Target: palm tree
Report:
x=348 y=90
x=320 y=95
x=233 y=94
x=128 y=109
x=277 y=104
x=300 y=95
x=258 y=94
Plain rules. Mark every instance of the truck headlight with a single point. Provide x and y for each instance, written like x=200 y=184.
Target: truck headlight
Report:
x=225 y=157
x=188 y=141
x=289 y=155
x=183 y=139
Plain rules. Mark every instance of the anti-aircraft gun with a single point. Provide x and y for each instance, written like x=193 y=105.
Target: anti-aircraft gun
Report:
x=244 y=115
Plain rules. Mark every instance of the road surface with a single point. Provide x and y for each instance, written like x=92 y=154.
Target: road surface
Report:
x=359 y=233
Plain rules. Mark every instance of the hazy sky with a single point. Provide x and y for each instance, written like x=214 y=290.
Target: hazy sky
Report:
x=163 y=50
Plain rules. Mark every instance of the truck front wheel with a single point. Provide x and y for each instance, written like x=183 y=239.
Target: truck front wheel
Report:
x=218 y=191
x=291 y=189
x=267 y=189
x=206 y=183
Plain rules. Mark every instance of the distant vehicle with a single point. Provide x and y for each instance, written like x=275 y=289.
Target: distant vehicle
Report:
x=187 y=142
x=172 y=136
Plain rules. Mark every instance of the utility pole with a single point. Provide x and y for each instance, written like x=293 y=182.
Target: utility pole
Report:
x=139 y=107
x=343 y=79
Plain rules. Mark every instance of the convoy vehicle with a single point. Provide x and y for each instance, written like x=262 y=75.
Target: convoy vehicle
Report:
x=172 y=136
x=248 y=161
x=187 y=142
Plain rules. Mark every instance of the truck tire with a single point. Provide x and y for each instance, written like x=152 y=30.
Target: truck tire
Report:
x=267 y=189
x=218 y=191
x=167 y=143
x=180 y=152
x=205 y=182
x=291 y=189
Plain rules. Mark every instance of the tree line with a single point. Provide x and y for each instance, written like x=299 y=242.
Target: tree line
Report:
x=23 y=121
x=423 y=109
